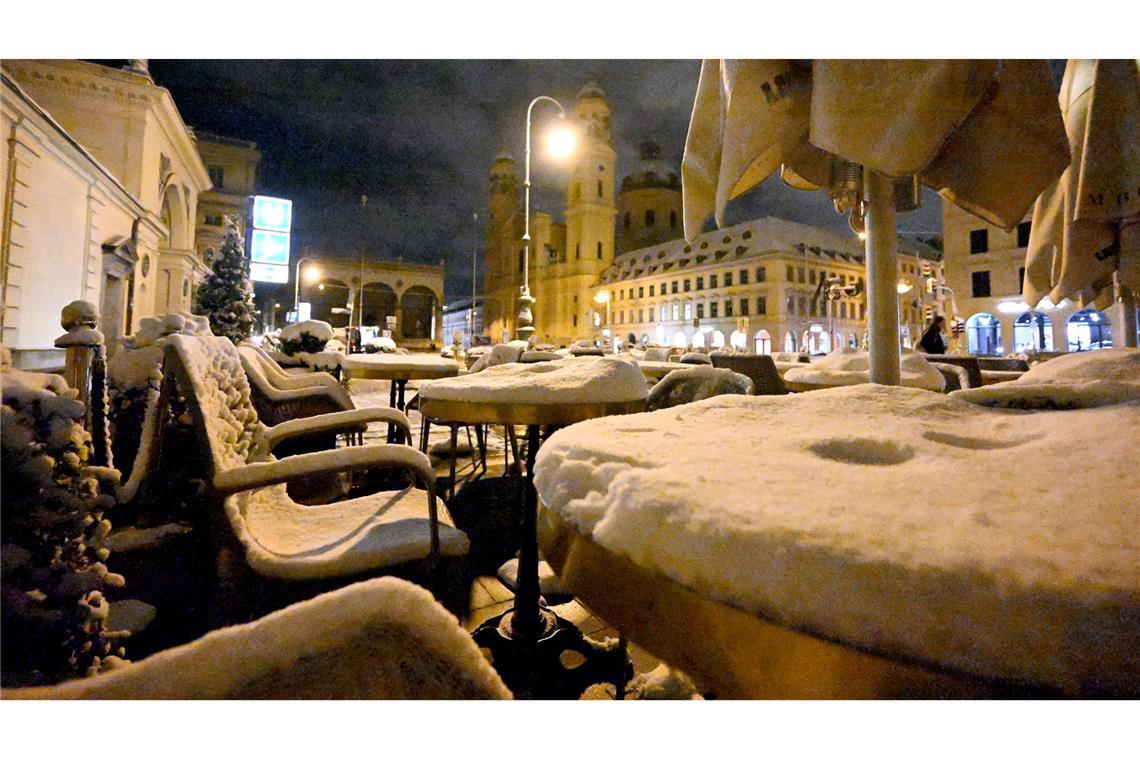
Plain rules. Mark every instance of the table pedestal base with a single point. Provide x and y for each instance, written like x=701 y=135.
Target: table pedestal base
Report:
x=561 y=664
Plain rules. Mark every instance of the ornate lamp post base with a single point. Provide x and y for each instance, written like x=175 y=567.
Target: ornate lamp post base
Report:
x=525 y=319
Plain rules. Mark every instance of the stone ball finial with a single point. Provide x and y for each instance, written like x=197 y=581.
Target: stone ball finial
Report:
x=79 y=314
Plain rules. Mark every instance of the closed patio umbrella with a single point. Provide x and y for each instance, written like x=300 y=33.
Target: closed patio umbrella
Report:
x=1086 y=225
x=987 y=135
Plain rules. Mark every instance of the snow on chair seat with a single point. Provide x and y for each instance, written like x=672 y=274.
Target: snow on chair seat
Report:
x=281 y=538
x=383 y=638
x=694 y=383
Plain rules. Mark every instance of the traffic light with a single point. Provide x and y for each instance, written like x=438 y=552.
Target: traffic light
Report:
x=929 y=284
x=928 y=313
x=927 y=269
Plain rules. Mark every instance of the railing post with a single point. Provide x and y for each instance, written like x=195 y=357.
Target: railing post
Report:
x=85 y=369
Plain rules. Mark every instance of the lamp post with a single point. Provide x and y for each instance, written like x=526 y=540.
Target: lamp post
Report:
x=474 y=275
x=561 y=143
x=603 y=296
x=297 y=285
x=902 y=288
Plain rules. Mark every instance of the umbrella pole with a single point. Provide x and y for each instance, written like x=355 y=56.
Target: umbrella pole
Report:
x=882 y=278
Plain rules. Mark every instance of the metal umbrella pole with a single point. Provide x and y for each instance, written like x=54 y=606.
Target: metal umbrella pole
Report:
x=882 y=278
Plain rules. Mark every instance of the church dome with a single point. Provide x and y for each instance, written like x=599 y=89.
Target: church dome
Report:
x=591 y=90
x=651 y=171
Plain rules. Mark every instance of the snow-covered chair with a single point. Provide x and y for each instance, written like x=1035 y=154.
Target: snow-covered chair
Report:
x=758 y=368
x=383 y=638
x=684 y=386
x=279 y=538
x=280 y=397
x=695 y=357
x=956 y=377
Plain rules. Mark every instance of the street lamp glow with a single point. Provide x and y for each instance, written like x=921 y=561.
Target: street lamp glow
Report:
x=902 y=287
x=602 y=296
x=312 y=274
x=560 y=141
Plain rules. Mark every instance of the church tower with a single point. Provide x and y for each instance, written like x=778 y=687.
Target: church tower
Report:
x=590 y=211
x=649 y=205
x=502 y=275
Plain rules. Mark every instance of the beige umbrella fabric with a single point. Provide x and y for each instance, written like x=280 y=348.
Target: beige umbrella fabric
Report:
x=985 y=134
x=1086 y=225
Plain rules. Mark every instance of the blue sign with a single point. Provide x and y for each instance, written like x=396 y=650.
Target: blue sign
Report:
x=274 y=214
x=260 y=272
x=269 y=247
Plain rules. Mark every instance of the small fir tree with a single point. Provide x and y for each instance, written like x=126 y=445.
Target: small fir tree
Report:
x=226 y=295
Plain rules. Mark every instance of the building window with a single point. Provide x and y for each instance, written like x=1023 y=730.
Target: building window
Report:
x=1023 y=234
x=674 y=286
x=803 y=306
x=714 y=309
x=701 y=311
x=688 y=311
x=650 y=217
x=791 y=305
x=728 y=279
x=599 y=249
x=700 y=283
x=712 y=281
x=640 y=292
x=791 y=273
x=979 y=241
x=811 y=276
x=577 y=250
x=599 y=188
x=664 y=312
x=687 y=282
x=213 y=221
x=800 y=274
x=1021 y=280
x=627 y=220
x=761 y=275
x=651 y=291
x=640 y=313
x=217 y=176
x=761 y=305
x=676 y=311
x=728 y=308
x=843 y=310
x=672 y=218
x=575 y=318
x=744 y=307
x=980 y=284
x=743 y=276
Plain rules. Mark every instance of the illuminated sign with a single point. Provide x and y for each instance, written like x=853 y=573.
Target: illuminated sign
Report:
x=260 y=272
x=272 y=213
x=305 y=310
x=269 y=241
x=270 y=247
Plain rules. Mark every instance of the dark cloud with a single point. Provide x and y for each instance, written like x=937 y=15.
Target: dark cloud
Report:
x=418 y=138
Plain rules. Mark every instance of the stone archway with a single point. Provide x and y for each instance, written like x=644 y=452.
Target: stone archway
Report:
x=417 y=313
x=174 y=218
x=378 y=302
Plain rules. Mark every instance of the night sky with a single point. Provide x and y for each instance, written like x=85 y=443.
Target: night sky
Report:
x=418 y=138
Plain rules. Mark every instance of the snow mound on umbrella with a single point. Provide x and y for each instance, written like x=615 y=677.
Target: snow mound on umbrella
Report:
x=891 y=519
x=570 y=381
x=1074 y=381
x=850 y=366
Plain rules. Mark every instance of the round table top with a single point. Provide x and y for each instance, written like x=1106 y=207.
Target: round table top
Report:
x=398 y=366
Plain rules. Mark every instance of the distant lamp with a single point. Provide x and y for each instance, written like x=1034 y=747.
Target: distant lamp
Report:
x=321 y=286
x=312 y=274
x=903 y=287
x=560 y=140
x=602 y=296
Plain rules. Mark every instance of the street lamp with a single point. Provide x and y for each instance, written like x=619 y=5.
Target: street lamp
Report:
x=311 y=274
x=559 y=143
x=603 y=296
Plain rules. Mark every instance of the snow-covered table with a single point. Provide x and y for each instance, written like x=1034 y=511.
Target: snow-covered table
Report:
x=657 y=370
x=860 y=541
x=399 y=369
x=527 y=641
x=849 y=366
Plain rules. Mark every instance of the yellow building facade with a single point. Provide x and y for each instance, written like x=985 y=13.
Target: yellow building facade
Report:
x=232 y=166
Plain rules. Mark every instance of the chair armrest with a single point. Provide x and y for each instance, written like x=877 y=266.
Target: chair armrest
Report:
x=334 y=422
x=313 y=380
x=251 y=476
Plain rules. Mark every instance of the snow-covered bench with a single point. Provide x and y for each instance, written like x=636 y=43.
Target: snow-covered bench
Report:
x=695 y=383
x=279 y=538
x=379 y=639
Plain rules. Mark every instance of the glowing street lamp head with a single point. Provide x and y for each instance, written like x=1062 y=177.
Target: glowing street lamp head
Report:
x=602 y=296
x=902 y=287
x=560 y=140
x=312 y=274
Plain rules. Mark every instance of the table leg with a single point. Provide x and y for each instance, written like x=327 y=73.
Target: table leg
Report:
x=526 y=621
x=454 y=446
x=392 y=403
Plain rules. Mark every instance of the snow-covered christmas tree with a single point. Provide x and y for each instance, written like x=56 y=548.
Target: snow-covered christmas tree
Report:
x=226 y=295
